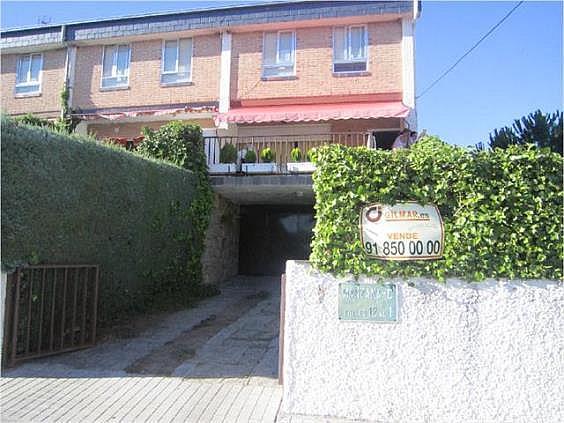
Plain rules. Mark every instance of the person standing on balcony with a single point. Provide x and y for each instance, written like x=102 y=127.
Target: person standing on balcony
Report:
x=403 y=140
x=413 y=138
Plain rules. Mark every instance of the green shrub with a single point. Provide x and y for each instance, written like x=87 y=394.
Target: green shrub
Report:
x=250 y=156
x=65 y=124
x=32 y=120
x=296 y=154
x=502 y=209
x=71 y=200
x=176 y=142
x=267 y=155
x=228 y=154
x=183 y=145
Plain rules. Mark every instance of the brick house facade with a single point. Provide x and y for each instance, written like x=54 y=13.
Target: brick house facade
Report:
x=274 y=76
x=239 y=71
x=47 y=102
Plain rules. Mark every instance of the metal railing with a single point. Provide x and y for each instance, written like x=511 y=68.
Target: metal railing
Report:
x=50 y=309
x=281 y=145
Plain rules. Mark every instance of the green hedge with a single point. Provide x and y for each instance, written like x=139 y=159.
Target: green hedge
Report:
x=183 y=145
x=502 y=209
x=71 y=200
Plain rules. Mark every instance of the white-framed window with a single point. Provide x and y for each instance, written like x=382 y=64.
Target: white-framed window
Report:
x=279 y=54
x=115 y=68
x=350 y=48
x=28 y=74
x=177 y=61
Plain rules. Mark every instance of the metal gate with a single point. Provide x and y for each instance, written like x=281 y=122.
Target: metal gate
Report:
x=50 y=309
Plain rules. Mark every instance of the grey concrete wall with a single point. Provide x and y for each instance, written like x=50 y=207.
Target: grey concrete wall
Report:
x=484 y=352
x=220 y=260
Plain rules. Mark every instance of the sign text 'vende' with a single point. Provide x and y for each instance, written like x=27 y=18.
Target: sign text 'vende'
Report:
x=404 y=231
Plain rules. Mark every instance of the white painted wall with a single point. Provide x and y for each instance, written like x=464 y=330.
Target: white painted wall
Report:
x=225 y=76
x=408 y=69
x=487 y=352
x=225 y=72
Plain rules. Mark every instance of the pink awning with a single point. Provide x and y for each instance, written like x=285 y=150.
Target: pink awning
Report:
x=314 y=112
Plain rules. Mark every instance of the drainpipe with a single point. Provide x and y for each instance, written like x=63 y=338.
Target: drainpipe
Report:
x=70 y=64
x=70 y=72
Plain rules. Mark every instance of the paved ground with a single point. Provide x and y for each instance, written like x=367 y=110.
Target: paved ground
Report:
x=215 y=362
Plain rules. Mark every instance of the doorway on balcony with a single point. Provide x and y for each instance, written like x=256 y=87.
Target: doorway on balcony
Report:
x=270 y=235
x=383 y=139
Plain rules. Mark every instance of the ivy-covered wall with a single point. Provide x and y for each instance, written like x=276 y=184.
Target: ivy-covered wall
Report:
x=68 y=199
x=502 y=209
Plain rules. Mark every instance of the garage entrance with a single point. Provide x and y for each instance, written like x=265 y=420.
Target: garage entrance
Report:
x=270 y=235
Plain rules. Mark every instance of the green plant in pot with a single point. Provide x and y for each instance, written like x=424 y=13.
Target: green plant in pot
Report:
x=228 y=154
x=296 y=155
x=309 y=155
x=250 y=156
x=267 y=155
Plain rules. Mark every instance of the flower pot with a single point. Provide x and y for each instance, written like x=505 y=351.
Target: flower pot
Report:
x=259 y=168
x=222 y=168
x=301 y=167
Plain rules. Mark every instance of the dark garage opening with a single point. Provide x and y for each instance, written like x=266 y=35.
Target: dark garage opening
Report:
x=270 y=235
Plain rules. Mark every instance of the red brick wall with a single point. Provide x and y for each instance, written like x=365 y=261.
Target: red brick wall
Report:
x=314 y=65
x=144 y=76
x=48 y=103
x=313 y=70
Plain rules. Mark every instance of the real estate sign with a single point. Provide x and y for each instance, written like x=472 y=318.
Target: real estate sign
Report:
x=404 y=231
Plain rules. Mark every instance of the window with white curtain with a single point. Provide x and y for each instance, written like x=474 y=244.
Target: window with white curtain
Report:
x=350 y=48
x=176 y=61
x=279 y=54
x=115 y=69
x=28 y=74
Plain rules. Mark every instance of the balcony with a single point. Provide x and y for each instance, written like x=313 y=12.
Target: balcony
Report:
x=281 y=146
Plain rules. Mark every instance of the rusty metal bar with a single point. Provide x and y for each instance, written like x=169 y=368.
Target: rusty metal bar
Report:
x=22 y=323
x=95 y=306
x=29 y=305
x=16 y=316
x=75 y=289
x=41 y=311
x=84 y=292
x=52 y=324
x=9 y=305
x=50 y=353
x=64 y=308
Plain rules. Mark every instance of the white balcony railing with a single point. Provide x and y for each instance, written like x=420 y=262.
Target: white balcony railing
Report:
x=281 y=147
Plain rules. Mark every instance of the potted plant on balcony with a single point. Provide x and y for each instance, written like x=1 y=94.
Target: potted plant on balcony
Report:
x=227 y=160
x=295 y=164
x=267 y=164
x=249 y=156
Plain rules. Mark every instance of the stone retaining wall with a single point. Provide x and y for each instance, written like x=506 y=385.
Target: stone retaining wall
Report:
x=220 y=260
x=492 y=351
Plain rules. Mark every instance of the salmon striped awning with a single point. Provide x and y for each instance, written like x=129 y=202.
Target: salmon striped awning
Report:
x=314 y=112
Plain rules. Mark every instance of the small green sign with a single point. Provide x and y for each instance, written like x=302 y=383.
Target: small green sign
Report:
x=373 y=302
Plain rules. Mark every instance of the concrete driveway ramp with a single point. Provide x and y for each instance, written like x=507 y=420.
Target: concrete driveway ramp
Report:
x=215 y=362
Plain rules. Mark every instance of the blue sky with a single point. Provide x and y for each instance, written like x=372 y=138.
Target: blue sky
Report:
x=517 y=70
